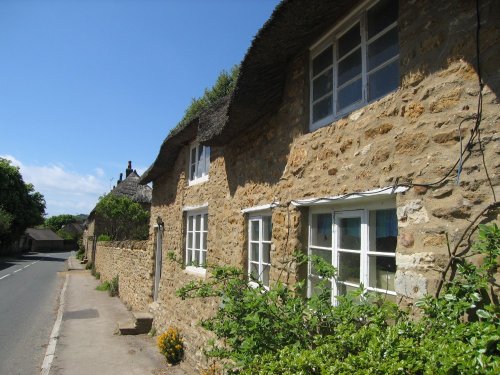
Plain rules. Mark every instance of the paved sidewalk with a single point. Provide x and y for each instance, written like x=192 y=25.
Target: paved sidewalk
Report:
x=88 y=343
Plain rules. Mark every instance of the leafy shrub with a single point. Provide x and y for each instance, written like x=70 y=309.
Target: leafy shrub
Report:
x=105 y=286
x=171 y=345
x=279 y=332
x=80 y=254
x=103 y=237
x=113 y=287
x=90 y=266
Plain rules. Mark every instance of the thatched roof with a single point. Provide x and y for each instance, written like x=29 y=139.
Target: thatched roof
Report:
x=131 y=188
x=291 y=29
x=170 y=149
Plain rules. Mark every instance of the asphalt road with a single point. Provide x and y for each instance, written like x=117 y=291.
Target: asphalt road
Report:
x=29 y=292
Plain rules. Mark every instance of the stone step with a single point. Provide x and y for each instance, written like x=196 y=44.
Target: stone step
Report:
x=141 y=323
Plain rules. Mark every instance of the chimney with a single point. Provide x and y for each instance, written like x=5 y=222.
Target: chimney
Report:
x=120 y=179
x=129 y=169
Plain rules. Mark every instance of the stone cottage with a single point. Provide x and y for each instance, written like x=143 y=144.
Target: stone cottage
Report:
x=364 y=132
x=128 y=187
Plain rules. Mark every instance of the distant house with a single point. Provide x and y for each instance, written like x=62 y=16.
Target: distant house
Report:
x=36 y=240
x=128 y=187
x=75 y=229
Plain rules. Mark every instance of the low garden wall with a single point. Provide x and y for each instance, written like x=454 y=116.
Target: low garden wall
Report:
x=132 y=262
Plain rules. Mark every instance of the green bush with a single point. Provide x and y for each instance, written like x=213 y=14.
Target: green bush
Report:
x=279 y=332
x=80 y=254
x=113 y=287
x=105 y=286
x=90 y=266
x=104 y=237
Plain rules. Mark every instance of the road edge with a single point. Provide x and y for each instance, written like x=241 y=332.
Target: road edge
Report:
x=54 y=336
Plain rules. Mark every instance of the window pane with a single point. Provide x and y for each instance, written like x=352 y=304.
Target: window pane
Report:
x=201 y=161
x=323 y=84
x=321 y=230
x=254 y=271
x=207 y=158
x=190 y=223
x=350 y=233
x=203 y=259
x=325 y=254
x=205 y=222
x=322 y=61
x=350 y=67
x=349 y=95
x=268 y=228
x=344 y=289
x=383 y=48
x=382 y=15
x=349 y=268
x=266 y=252
x=189 y=258
x=190 y=240
x=322 y=109
x=197 y=240
x=198 y=222
x=318 y=285
x=254 y=252
x=196 y=259
x=382 y=272
x=192 y=175
x=204 y=242
x=193 y=155
x=254 y=230
x=385 y=223
x=383 y=81
x=265 y=276
x=349 y=40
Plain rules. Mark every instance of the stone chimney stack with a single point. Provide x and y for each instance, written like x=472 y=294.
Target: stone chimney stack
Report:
x=129 y=169
x=120 y=179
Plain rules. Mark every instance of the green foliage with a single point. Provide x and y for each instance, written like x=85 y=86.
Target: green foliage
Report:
x=113 y=287
x=89 y=266
x=110 y=286
x=122 y=218
x=223 y=86
x=105 y=286
x=65 y=235
x=21 y=206
x=279 y=332
x=55 y=223
x=80 y=254
x=103 y=237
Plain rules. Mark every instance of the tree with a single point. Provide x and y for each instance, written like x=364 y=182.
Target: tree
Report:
x=20 y=205
x=55 y=223
x=122 y=218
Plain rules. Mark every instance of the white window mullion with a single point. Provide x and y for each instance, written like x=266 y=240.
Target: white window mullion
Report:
x=364 y=249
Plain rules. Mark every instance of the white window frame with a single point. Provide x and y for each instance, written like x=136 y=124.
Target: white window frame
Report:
x=330 y=40
x=349 y=210
x=195 y=178
x=260 y=241
x=191 y=233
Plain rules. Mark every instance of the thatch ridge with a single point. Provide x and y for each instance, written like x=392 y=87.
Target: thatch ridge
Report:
x=292 y=28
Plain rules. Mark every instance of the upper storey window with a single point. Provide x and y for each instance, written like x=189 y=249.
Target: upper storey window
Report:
x=199 y=163
x=356 y=64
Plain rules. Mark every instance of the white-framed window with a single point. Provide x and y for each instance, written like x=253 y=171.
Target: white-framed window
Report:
x=199 y=163
x=355 y=64
x=196 y=240
x=360 y=242
x=259 y=248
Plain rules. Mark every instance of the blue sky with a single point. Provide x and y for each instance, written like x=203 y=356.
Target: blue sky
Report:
x=87 y=85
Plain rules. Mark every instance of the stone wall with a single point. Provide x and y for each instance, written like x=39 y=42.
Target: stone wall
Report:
x=409 y=136
x=132 y=262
